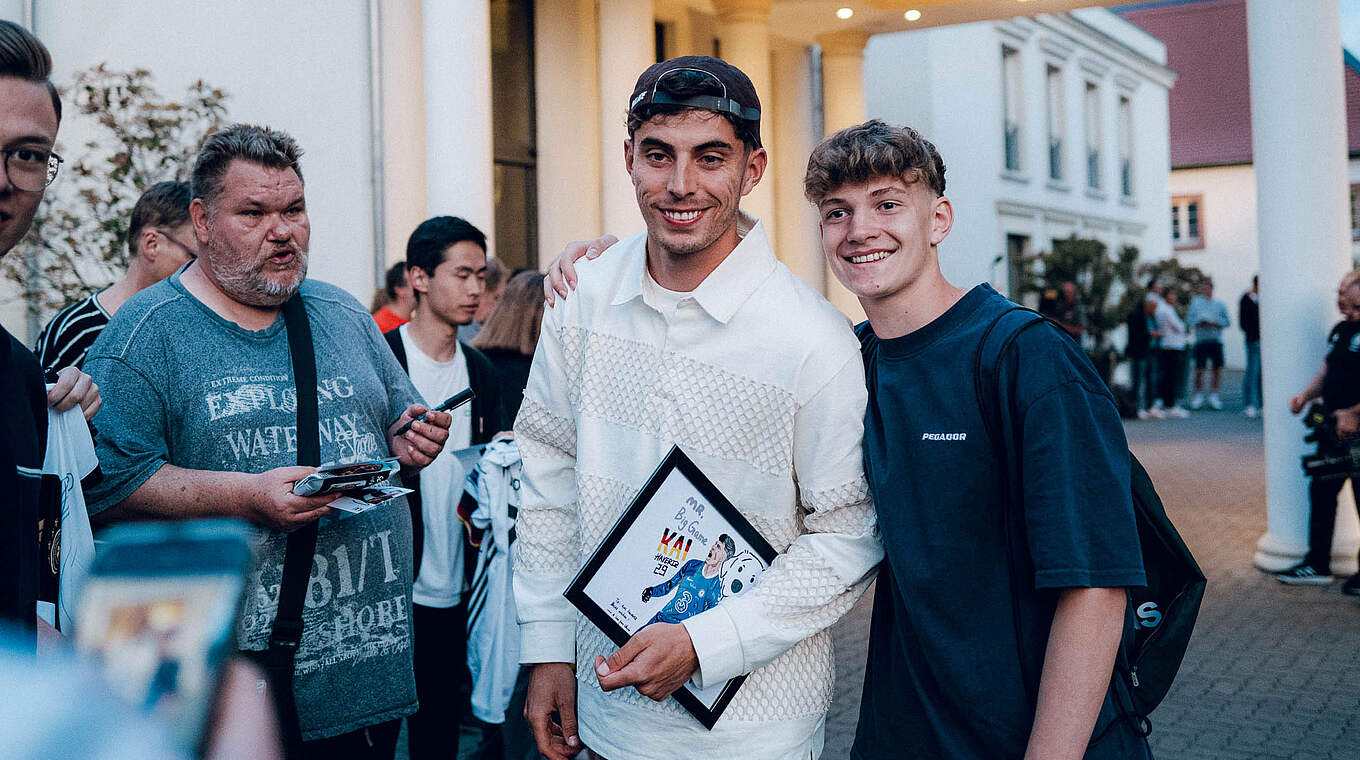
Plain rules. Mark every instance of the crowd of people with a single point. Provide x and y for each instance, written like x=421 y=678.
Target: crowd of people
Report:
x=217 y=375
x=1159 y=350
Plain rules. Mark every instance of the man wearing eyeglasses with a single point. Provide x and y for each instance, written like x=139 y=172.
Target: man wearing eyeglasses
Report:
x=695 y=336
x=160 y=240
x=29 y=114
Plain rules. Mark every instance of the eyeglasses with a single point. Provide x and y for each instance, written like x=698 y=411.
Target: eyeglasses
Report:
x=721 y=104
x=190 y=252
x=31 y=169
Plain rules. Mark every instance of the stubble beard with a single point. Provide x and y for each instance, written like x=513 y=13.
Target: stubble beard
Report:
x=243 y=280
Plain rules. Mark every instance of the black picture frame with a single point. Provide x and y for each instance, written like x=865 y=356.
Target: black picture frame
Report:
x=675 y=462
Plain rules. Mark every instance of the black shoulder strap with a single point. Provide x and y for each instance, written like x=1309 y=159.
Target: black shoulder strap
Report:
x=987 y=387
x=297 y=562
x=393 y=338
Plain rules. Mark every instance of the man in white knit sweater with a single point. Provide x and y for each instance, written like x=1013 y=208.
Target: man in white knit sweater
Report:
x=693 y=334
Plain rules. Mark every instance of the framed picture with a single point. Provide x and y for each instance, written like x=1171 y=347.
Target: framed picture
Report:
x=679 y=549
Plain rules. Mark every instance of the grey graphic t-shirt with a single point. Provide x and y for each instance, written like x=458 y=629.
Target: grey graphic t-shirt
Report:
x=183 y=386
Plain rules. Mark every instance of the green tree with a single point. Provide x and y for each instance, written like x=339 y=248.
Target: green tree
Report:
x=1103 y=283
x=77 y=244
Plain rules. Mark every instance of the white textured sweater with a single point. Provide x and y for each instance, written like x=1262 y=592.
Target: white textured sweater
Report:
x=760 y=381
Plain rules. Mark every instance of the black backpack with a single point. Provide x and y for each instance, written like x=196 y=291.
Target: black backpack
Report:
x=1165 y=609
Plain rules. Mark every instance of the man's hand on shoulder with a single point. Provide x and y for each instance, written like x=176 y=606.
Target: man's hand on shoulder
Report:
x=550 y=710
x=561 y=274
x=74 y=387
x=658 y=660
x=419 y=446
x=273 y=504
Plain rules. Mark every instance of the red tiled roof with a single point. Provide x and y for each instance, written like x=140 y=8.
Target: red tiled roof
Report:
x=1206 y=45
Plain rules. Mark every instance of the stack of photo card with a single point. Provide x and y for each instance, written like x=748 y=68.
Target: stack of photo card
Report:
x=359 y=482
x=678 y=549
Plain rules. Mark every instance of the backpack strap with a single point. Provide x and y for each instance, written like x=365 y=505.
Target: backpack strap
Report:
x=986 y=387
x=286 y=635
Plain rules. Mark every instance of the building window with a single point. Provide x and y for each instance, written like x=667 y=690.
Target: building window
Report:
x=1011 y=98
x=514 y=144
x=1355 y=212
x=1125 y=147
x=1057 y=123
x=1092 y=109
x=1187 y=222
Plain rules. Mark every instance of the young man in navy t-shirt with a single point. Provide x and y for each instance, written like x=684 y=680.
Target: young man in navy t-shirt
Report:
x=969 y=658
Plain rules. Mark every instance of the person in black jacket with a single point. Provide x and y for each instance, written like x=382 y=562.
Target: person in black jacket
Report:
x=446 y=263
x=1142 y=357
x=1249 y=319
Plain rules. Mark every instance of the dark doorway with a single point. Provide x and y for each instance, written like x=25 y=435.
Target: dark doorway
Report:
x=514 y=144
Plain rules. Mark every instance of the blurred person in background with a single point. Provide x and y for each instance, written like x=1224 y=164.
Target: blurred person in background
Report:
x=393 y=304
x=493 y=285
x=1171 y=355
x=511 y=334
x=160 y=241
x=1249 y=319
x=1209 y=317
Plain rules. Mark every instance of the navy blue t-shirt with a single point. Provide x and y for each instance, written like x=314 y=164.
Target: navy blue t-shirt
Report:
x=944 y=677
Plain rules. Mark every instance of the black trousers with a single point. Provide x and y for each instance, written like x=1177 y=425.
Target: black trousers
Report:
x=1170 y=374
x=1322 y=520
x=373 y=743
x=439 y=635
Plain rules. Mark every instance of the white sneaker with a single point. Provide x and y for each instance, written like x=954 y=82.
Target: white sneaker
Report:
x=1197 y=400
x=1178 y=412
x=1215 y=402
x=1156 y=413
x=1144 y=414
x=1251 y=412
x=1157 y=404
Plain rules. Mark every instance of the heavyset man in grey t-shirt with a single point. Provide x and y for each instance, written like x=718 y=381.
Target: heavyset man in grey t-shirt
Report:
x=201 y=421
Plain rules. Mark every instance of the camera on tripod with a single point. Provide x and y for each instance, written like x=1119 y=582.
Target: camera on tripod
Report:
x=1336 y=457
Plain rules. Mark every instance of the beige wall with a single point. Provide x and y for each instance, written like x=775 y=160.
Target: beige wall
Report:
x=1228 y=227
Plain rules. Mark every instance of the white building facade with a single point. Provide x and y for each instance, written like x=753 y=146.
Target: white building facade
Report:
x=507 y=112
x=1049 y=126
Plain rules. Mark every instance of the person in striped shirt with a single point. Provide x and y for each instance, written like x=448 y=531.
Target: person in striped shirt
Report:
x=160 y=241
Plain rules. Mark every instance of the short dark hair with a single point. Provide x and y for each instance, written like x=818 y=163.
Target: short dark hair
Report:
x=728 y=544
x=683 y=84
x=427 y=244
x=248 y=142
x=873 y=149
x=24 y=56
x=164 y=204
x=396 y=277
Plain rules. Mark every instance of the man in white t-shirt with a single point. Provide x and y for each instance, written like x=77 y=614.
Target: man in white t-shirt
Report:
x=446 y=262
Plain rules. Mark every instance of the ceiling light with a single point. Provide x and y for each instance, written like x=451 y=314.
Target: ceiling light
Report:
x=844 y=13
x=912 y=15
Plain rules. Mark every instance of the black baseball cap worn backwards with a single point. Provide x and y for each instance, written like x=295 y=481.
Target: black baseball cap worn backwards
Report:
x=738 y=96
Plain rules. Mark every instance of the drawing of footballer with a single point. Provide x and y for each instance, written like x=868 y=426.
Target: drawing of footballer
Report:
x=700 y=584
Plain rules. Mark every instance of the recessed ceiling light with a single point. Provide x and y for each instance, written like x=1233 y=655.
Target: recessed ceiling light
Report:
x=912 y=15
x=845 y=13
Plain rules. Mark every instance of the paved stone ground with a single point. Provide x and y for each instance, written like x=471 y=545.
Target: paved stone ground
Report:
x=1273 y=672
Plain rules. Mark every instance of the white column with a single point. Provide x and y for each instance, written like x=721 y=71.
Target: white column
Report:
x=567 y=93
x=1302 y=225
x=798 y=243
x=842 y=106
x=403 y=102
x=627 y=47
x=458 y=142
x=744 y=39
